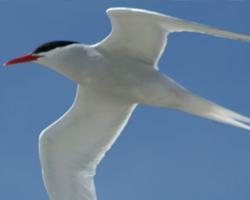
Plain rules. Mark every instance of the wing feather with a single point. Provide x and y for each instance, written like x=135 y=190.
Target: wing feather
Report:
x=143 y=34
x=71 y=148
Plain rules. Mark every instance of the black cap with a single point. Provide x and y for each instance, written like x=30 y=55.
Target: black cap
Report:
x=52 y=45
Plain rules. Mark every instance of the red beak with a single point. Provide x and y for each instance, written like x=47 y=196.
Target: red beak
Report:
x=22 y=59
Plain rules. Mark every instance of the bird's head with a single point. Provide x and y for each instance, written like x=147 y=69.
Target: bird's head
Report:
x=46 y=54
x=62 y=56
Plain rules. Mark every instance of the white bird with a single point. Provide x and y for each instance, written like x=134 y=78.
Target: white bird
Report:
x=113 y=76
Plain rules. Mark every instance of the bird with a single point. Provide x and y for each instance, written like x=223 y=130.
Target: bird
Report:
x=113 y=76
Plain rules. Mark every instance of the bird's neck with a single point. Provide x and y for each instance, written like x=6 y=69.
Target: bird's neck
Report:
x=71 y=61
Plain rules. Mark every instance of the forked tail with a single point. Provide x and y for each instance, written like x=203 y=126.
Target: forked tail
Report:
x=202 y=107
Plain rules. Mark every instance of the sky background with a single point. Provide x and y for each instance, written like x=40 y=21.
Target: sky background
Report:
x=161 y=154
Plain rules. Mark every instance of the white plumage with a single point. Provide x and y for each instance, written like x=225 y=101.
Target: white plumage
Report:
x=114 y=76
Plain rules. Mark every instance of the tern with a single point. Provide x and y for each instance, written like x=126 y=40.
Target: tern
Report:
x=113 y=77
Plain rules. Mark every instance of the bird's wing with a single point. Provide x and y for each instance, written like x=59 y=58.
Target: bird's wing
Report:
x=143 y=34
x=71 y=148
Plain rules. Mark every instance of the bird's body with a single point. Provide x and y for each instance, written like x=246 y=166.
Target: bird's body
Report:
x=127 y=79
x=113 y=76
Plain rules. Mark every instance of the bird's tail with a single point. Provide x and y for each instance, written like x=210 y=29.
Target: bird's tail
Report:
x=204 y=108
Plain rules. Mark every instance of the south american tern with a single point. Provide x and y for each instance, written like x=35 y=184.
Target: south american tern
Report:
x=113 y=77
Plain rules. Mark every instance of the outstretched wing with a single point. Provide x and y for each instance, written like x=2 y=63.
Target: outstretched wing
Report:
x=71 y=148
x=143 y=34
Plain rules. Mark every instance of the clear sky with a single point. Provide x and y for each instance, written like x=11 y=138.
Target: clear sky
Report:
x=161 y=154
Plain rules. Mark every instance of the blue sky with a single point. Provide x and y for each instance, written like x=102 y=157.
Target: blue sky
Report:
x=161 y=154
